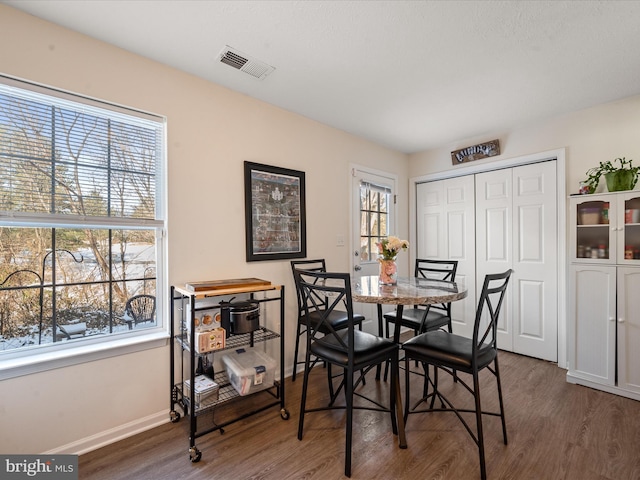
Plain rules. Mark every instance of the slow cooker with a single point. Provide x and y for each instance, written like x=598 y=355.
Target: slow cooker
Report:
x=239 y=317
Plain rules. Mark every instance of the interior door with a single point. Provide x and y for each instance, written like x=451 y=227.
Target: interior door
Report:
x=628 y=319
x=535 y=259
x=494 y=240
x=517 y=228
x=373 y=214
x=446 y=230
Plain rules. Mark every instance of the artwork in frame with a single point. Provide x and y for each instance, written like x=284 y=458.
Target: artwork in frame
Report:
x=275 y=221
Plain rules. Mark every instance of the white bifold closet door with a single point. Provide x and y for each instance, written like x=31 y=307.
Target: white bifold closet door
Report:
x=446 y=231
x=490 y=222
x=516 y=227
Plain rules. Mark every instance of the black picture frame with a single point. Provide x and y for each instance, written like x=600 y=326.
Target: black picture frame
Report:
x=275 y=213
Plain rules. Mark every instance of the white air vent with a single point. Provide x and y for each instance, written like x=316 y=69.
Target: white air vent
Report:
x=244 y=63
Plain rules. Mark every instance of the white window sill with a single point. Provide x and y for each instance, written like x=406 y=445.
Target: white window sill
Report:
x=27 y=364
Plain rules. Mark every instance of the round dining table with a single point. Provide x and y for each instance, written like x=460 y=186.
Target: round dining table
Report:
x=407 y=291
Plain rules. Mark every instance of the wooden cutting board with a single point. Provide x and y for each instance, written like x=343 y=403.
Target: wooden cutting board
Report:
x=228 y=283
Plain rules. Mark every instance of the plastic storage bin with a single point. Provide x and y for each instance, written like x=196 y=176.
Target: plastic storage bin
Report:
x=249 y=370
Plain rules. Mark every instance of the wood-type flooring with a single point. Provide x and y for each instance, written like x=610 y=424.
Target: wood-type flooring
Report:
x=556 y=430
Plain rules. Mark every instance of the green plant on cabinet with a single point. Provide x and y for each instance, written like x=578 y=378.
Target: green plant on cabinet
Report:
x=618 y=178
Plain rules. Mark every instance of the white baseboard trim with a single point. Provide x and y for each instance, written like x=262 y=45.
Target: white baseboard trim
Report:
x=577 y=380
x=113 y=435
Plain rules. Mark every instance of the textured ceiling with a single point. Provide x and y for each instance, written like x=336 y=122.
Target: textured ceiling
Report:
x=410 y=75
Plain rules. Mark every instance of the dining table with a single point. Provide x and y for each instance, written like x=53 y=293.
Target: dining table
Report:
x=407 y=291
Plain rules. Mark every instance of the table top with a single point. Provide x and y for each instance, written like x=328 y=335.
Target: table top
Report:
x=408 y=291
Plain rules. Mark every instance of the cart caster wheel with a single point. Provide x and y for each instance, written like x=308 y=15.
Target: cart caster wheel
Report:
x=284 y=414
x=174 y=416
x=194 y=455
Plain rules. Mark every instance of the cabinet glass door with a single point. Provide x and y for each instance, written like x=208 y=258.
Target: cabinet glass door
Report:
x=629 y=217
x=593 y=235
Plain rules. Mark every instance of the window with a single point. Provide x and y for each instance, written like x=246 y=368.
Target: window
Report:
x=374 y=218
x=81 y=219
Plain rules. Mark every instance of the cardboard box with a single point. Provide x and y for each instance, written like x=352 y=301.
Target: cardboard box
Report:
x=210 y=340
x=204 y=389
x=249 y=370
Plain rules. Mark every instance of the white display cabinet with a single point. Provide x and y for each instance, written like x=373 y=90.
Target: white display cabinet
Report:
x=605 y=229
x=603 y=330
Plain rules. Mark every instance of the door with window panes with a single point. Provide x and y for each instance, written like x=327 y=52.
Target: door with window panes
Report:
x=373 y=219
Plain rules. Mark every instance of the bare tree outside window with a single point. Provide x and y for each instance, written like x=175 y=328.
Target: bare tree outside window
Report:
x=78 y=217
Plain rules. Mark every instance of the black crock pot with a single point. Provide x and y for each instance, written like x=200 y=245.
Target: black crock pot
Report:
x=239 y=317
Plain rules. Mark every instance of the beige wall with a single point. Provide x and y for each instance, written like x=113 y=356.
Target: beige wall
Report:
x=211 y=131
x=590 y=136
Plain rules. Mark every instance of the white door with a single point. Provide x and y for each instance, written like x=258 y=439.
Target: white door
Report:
x=494 y=239
x=535 y=259
x=592 y=306
x=445 y=230
x=516 y=228
x=373 y=214
x=629 y=328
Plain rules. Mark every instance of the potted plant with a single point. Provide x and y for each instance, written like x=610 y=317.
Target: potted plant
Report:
x=618 y=178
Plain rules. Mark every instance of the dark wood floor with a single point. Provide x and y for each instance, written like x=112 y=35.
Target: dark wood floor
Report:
x=556 y=431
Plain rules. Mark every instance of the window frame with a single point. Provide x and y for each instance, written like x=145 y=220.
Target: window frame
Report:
x=372 y=240
x=38 y=358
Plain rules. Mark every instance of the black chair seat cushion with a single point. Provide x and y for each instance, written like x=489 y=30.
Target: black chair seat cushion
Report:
x=368 y=349
x=444 y=348
x=338 y=320
x=412 y=318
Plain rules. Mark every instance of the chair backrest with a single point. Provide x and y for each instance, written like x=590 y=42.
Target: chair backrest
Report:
x=322 y=293
x=491 y=298
x=142 y=308
x=318 y=265
x=439 y=270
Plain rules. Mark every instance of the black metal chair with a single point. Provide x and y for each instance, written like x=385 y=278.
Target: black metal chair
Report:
x=337 y=320
x=454 y=354
x=140 y=309
x=349 y=349
x=423 y=318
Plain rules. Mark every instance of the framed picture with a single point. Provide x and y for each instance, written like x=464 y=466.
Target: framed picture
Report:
x=275 y=221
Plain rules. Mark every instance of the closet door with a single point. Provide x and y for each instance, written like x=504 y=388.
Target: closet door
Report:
x=494 y=239
x=517 y=228
x=445 y=230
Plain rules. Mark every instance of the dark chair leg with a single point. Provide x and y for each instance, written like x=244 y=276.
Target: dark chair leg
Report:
x=504 y=423
x=348 y=390
x=295 y=354
x=476 y=394
x=303 y=399
x=407 y=392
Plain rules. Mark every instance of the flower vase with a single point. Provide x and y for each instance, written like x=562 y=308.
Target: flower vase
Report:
x=388 y=272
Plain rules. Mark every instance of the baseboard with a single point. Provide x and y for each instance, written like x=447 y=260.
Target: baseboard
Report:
x=113 y=435
x=576 y=380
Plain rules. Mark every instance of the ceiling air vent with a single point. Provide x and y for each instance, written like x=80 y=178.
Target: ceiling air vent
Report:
x=244 y=63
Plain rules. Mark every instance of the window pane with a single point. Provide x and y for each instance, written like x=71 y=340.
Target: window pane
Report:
x=384 y=231
x=374 y=218
x=77 y=273
x=58 y=158
x=71 y=162
x=365 y=249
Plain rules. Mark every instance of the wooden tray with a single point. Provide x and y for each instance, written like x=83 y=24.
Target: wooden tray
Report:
x=222 y=284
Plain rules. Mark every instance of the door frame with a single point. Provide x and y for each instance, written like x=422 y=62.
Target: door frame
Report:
x=559 y=156
x=368 y=310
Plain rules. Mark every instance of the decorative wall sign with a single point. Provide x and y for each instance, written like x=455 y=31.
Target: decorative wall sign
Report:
x=476 y=152
x=275 y=223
